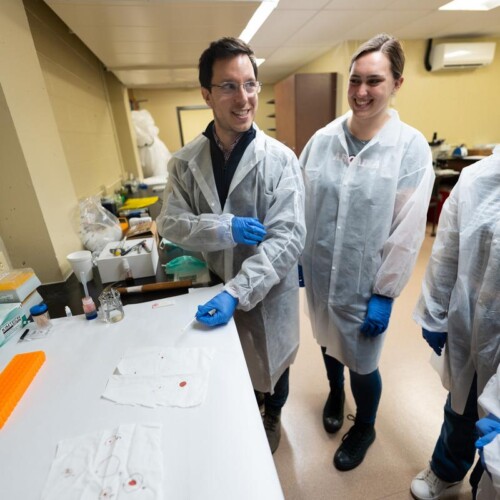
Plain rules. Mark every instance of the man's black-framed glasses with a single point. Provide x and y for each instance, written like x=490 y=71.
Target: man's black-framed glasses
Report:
x=231 y=88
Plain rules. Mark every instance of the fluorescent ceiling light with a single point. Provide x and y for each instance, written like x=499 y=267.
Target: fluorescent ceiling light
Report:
x=471 y=5
x=259 y=61
x=257 y=20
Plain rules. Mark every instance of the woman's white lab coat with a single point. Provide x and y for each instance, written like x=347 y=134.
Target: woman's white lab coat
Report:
x=461 y=289
x=489 y=486
x=267 y=185
x=365 y=223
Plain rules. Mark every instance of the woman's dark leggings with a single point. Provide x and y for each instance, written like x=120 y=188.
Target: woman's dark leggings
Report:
x=366 y=389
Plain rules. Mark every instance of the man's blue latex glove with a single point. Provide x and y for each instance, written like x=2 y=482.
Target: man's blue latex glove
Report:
x=488 y=428
x=436 y=340
x=301 y=277
x=377 y=316
x=217 y=311
x=247 y=230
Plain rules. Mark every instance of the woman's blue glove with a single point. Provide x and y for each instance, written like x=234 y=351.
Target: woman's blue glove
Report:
x=247 y=230
x=488 y=428
x=436 y=340
x=377 y=316
x=217 y=311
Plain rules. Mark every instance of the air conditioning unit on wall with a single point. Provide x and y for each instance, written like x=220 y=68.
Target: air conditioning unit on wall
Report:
x=471 y=55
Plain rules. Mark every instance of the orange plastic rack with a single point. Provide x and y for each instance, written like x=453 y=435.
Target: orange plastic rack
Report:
x=15 y=379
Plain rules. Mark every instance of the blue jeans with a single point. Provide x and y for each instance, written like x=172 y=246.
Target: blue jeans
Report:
x=273 y=403
x=366 y=389
x=455 y=449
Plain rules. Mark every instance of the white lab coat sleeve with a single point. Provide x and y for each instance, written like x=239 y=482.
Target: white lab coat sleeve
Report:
x=489 y=401
x=284 y=241
x=178 y=220
x=440 y=277
x=407 y=232
x=492 y=458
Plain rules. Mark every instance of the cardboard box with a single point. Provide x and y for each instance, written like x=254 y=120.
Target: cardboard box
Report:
x=11 y=320
x=143 y=230
x=17 y=284
x=33 y=299
x=143 y=264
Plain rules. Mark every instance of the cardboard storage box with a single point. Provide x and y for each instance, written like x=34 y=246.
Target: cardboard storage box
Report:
x=142 y=264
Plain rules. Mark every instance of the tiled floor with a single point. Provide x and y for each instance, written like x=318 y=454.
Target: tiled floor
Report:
x=408 y=422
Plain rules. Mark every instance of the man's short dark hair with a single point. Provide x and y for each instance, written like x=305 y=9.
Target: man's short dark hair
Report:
x=224 y=48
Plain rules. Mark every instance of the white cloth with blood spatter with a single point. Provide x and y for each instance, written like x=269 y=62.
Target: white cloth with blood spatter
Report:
x=125 y=462
x=161 y=376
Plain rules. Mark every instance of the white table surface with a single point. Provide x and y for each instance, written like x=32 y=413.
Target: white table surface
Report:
x=217 y=450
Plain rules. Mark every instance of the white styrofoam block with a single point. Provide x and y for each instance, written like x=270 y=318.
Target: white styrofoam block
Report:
x=142 y=264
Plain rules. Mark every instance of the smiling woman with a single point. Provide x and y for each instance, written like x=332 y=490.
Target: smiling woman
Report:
x=369 y=177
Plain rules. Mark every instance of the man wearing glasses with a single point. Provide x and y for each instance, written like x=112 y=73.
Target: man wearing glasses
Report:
x=236 y=195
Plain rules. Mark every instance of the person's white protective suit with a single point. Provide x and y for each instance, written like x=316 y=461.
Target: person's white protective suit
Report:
x=489 y=486
x=153 y=152
x=365 y=224
x=460 y=293
x=267 y=185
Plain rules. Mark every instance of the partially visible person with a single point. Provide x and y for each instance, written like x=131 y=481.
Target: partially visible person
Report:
x=489 y=442
x=459 y=310
x=237 y=196
x=368 y=179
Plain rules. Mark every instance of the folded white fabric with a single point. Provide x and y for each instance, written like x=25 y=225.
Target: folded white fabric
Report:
x=161 y=376
x=121 y=463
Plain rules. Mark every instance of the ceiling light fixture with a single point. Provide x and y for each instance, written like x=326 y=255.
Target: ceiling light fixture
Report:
x=259 y=61
x=471 y=5
x=257 y=20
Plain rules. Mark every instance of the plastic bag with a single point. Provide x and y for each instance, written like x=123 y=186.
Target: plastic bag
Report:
x=184 y=264
x=153 y=152
x=98 y=226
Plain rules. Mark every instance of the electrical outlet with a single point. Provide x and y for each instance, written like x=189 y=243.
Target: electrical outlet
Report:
x=4 y=265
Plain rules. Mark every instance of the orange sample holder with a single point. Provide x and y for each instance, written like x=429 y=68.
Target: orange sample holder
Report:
x=16 y=378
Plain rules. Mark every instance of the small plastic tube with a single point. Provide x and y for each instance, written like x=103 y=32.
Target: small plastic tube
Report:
x=84 y=283
x=129 y=278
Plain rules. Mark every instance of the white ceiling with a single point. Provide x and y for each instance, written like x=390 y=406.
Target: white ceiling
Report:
x=157 y=43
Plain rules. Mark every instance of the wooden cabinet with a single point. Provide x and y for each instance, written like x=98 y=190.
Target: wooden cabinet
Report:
x=304 y=102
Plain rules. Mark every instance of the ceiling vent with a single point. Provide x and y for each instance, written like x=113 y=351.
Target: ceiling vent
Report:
x=471 y=55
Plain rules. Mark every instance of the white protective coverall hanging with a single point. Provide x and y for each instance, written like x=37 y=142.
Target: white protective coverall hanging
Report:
x=460 y=293
x=365 y=223
x=153 y=152
x=489 y=401
x=267 y=185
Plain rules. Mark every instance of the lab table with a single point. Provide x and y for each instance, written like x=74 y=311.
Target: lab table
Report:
x=217 y=450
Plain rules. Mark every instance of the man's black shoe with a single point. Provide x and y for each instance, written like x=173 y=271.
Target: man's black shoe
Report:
x=354 y=446
x=272 y=425
x=333 y=412
x=261 y=398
